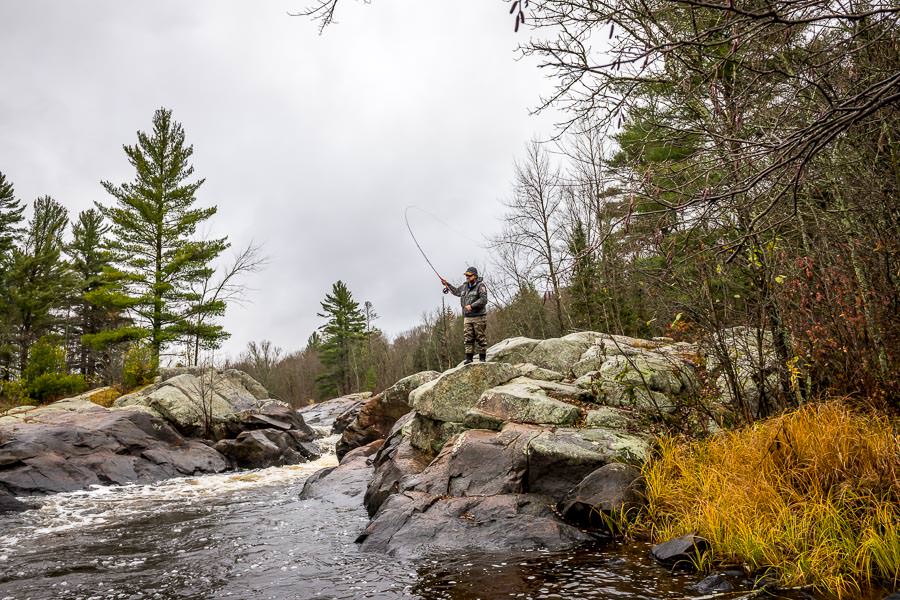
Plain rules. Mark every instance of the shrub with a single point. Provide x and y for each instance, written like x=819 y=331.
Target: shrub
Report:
x=45 y=356
x=139 y=366
x=13 y=393
x=812 y=496
x=53 y=386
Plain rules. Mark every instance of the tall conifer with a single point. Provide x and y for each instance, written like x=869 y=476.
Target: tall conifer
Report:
x=342 y=335
x=154 y=223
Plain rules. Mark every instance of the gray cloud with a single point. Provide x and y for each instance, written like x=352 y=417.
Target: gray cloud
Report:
x=309 y=145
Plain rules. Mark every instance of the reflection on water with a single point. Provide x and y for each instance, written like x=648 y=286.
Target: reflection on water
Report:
x=248 y=536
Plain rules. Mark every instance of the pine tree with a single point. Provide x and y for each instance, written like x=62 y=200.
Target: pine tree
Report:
x=39 y=280
x=342 y=335
x=90 y=261
x=11 y=232
x=153 y=226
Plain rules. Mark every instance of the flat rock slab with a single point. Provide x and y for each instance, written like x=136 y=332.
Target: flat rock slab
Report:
x=63 y=451
x=411 y=524
x=522 y=401
x=512 y=350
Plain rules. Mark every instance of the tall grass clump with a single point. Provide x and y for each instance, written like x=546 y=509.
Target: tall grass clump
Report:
x=811 y=497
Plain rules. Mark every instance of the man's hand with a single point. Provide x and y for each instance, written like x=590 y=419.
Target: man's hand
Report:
x=445 y=282
x=469 y=307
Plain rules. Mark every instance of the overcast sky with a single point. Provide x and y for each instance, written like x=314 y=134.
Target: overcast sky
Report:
x=310 y=145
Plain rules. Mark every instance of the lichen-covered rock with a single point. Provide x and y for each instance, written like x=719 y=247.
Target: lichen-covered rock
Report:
x=607 y=417
x=448 y=397
x=429 y=435
x=649 y=370
x=535 y=372
x=557 y=354
x=512 y=350
x=322 y=415
x=558 y=460
x=196 y=400
x=520 y=401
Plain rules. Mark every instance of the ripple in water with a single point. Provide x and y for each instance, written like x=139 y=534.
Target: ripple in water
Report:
x=248 y=536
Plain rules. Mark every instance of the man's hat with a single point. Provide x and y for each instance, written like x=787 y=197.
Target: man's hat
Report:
x=472 y=270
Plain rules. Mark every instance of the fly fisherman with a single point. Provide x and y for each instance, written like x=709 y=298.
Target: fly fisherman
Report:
x=473 y=298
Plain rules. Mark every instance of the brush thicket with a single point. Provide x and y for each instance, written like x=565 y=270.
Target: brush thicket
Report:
x=812 y=497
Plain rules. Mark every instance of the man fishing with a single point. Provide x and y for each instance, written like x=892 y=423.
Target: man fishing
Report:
x=473 y=298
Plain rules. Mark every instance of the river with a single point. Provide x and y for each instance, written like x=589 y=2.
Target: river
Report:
x=248 y=536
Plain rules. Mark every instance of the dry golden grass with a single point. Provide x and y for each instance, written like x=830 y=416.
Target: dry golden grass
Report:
x=812 y=496
x=105 y=396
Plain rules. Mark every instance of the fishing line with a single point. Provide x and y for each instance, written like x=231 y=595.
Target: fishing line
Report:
x=413 y=236
x=419 y=246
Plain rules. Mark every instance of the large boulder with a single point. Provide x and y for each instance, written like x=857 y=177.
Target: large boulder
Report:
x=345 y=484
x=411 y=524
x=520 y=401
x=379 y=413
x=512 y=350
x=429 y=435
x=322 y=415
x=743 y=361
x=612 y=488
x=65 y=449
x=558 y=354
x=396 y=463
x=260 y=448
x=199 y=401
x=448 y=397
x=650 y=370
x=559 y=459
x=628 y=395
x=479 y=462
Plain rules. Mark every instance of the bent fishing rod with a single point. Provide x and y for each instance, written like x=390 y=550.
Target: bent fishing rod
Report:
x=422 y=252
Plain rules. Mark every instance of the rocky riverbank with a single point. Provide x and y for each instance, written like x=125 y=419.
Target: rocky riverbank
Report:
x=534 y=448
x=191 y=421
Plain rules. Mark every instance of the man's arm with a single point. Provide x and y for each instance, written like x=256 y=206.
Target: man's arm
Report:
x=455 y=290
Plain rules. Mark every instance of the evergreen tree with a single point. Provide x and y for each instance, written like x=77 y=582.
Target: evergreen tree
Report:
x=342 y=335
x=10 y=237
x=39 y=280
x=153 y=225
x=89 y=261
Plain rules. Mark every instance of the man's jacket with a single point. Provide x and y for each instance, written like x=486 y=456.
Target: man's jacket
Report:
x=474 y=294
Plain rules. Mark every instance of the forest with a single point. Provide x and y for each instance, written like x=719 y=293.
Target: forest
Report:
x=719 y=165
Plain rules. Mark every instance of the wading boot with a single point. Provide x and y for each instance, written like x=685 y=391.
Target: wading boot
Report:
x=468 y=360
x=482 y=357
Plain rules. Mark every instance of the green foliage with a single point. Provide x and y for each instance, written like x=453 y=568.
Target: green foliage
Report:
x=154 y=224
x=341 y=338
x=13 y=392
x=54 y=386
x=46 y=376
x=140 y=366
x=46 y=356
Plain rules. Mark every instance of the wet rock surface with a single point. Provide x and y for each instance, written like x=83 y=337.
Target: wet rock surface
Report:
x=66 y=450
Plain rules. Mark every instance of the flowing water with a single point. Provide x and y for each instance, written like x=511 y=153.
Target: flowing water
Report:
x=247 y=535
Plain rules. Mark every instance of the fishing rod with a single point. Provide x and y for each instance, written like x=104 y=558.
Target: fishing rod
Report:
x=422 y=252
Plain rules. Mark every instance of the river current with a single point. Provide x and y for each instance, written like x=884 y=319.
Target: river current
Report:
x=247 y=535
